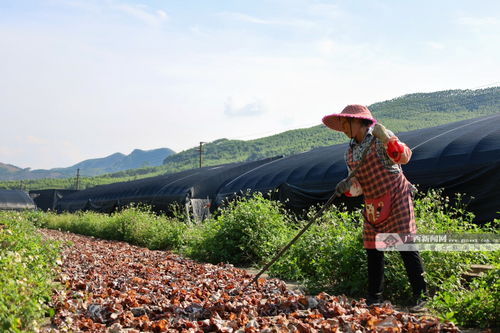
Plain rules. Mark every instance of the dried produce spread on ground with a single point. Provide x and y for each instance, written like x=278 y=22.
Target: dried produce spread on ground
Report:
x=115 y=287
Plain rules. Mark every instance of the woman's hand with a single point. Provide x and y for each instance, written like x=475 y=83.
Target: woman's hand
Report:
x=343 y=186
x=380 y=132
x=395 y=149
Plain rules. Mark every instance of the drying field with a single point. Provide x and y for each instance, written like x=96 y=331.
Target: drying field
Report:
x=116 y=287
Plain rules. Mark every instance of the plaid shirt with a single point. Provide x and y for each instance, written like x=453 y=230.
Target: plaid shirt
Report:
x=377 y=179
x=358 y=149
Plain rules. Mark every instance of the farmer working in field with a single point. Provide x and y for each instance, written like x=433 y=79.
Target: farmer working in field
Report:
x=387 y=194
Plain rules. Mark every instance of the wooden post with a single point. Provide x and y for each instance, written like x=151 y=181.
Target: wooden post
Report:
x=77 y=178
x=201 y=150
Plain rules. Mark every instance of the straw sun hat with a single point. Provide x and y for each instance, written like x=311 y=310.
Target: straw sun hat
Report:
x=351 y=111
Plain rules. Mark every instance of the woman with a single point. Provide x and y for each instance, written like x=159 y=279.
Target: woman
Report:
x=387 y=194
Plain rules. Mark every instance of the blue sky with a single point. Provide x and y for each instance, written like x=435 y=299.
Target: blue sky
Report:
x=87 y=78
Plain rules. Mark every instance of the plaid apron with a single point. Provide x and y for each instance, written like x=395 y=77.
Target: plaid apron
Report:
x=388 y=202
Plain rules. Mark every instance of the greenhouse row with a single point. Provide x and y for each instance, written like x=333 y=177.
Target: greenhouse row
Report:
x=461 y=157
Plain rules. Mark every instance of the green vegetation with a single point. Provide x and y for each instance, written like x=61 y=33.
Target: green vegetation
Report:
x=245 y=232
x=136 y=225
x=475 y=304
x=328 y=257
x=27 y=271
x=325 y=256
x=409 y=112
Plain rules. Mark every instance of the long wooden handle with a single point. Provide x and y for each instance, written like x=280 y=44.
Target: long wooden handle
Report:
x=313 y=219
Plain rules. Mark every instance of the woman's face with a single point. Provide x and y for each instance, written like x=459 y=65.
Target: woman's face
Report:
x=350 y=126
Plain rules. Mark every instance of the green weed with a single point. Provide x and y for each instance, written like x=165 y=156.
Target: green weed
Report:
x=27 y=269
x=247 y=231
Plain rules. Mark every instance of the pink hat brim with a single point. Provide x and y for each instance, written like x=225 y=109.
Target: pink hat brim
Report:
x=333 y=120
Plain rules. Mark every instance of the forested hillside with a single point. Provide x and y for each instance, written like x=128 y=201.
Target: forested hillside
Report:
x=401 y=114
x=409 y=112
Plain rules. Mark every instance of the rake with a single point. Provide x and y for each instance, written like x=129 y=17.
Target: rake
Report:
x=313 y=219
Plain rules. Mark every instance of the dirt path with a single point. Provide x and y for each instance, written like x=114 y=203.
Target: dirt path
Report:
x=116 y=287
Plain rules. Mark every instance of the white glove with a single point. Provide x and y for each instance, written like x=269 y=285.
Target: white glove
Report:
x=343 y=186
x=380 y=132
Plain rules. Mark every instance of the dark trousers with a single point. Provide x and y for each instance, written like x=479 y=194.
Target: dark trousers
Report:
x=414 y=269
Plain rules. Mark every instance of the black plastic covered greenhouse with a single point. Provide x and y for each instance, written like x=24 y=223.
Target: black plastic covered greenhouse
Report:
x=460 y=157
x=15 y=200
x=195 y=187
x=48 y=199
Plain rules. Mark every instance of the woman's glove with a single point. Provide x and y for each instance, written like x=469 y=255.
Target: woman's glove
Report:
x=395 y=149
x=343 y=186
x=380 y=132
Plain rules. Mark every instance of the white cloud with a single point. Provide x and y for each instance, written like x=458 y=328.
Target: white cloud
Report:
x=478 y=22
x=435 y=45
x=31 y=139
x=330 y=11
x=141 y=12
x=162 y=14
x=195 y=29
x=326 y=46
x=6 y=153
x=234 y=108
x=292 y=22
x=82 y=5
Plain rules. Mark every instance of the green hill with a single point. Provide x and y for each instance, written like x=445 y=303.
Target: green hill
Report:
x=401 y=114
x=409 y=112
